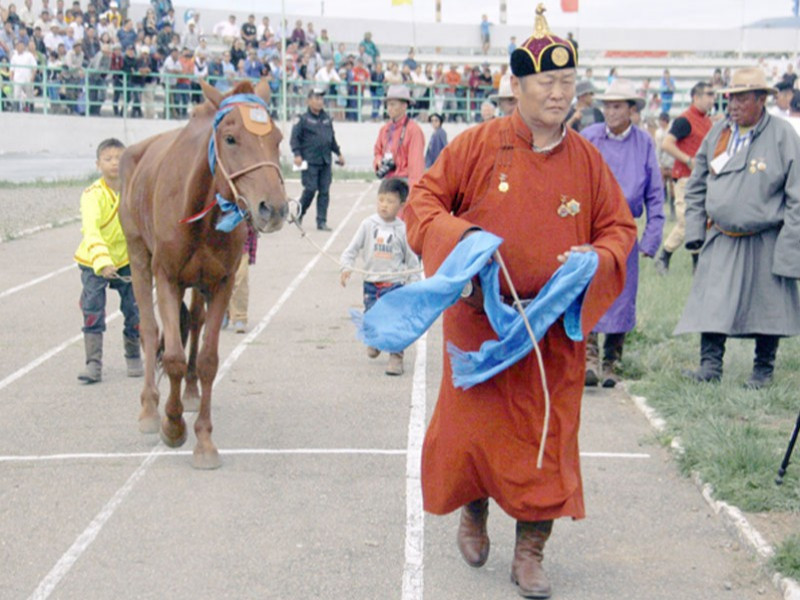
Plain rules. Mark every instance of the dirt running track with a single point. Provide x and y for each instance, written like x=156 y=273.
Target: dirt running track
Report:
x=318 y=495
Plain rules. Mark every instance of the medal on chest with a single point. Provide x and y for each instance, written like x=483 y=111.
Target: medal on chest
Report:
x=503 y=185
x=757 y=165
x=568 y=207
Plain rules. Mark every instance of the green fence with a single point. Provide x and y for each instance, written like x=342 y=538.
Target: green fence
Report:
x=90 y=92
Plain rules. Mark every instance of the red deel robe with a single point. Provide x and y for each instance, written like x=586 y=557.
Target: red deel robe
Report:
x=483 y=442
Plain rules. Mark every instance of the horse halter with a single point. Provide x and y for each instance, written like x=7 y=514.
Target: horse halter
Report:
x=234 y=212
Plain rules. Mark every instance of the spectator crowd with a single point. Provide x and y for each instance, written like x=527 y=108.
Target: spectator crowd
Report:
x=75 y=56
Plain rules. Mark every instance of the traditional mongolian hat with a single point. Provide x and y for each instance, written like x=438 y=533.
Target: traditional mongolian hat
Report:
x=749 y=79
x=622 y=90
x=543 y=51
x=503 y=91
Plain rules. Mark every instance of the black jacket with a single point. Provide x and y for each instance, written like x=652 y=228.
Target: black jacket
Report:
x=313 y=138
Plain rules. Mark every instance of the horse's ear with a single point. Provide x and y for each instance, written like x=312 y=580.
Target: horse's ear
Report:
x=263 y=90
x=211 y=93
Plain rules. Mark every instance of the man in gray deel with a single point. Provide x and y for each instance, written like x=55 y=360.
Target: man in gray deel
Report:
x=313 y=141
x=743 y=215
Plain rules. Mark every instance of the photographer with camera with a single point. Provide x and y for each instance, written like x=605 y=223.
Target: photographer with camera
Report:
x=312 y=142
x=401 y=143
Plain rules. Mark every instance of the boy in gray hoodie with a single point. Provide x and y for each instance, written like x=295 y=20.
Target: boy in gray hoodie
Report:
x=388 y=261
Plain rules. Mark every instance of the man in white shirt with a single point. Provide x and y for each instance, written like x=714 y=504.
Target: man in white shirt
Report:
x=264 y=28
x=53 y=37
x=227 y=30
x=23 y=70
x=327 y=74
x=783 y=100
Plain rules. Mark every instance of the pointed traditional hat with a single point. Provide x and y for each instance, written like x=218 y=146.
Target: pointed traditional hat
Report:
x=543 y=51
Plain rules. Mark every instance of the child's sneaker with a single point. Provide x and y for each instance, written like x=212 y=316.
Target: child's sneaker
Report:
x=395 y=366
x=373 y=352
x=240 y=327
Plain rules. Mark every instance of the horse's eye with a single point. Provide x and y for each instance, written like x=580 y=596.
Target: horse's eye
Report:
x=230 y=140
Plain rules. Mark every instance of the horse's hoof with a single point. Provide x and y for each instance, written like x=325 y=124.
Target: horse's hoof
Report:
x=206 y=460
x=149 y=423
x=191 y=403
x=173 y=434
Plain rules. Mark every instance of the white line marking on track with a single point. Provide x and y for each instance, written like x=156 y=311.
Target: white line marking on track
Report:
x=80 y=545
x=228 y=452
x=38 y=228
x=11 y=458
x=47 y=355
x=415 y=516
x=84 y=540
x=32 y=282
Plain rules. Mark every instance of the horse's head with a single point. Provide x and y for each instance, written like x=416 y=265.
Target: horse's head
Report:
x=244 y=154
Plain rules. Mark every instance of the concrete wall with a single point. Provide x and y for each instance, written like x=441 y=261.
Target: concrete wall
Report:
x=47 y=140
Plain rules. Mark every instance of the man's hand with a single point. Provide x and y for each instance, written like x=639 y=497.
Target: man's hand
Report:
x=340 y=161
x=562 y=258
x=298 y=160
x=475 y=299
x=108 y=272
x=344 y=276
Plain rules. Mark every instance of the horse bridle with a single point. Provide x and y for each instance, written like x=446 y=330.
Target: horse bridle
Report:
x=229 y=178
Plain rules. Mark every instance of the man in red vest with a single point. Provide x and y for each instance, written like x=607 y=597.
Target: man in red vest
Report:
x=682 y=142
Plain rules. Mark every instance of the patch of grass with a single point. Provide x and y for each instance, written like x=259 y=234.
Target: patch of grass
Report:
x=733 y=437
x=787 y=557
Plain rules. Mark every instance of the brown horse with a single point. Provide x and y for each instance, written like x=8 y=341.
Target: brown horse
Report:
x=179 y=189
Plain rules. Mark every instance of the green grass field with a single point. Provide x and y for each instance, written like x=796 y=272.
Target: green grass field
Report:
x=734 y=438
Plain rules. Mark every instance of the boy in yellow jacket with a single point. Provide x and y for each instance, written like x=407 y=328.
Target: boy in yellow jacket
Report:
x=103 y=261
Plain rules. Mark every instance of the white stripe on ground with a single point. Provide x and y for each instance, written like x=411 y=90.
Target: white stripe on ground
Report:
x=415 y=517
x=84 y=456
x=22 y=286
x=237 y=352
x=89 y=534
x=46 y=356
x=80 y=545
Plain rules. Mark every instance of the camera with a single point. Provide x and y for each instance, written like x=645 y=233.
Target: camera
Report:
x=386 y=166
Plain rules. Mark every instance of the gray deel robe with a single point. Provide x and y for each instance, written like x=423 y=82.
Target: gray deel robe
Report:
x=746 y=284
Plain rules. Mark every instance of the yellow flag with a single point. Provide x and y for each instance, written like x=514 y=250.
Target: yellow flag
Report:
x=401 y=2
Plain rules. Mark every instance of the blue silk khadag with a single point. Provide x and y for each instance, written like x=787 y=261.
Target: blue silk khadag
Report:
x=399 y=318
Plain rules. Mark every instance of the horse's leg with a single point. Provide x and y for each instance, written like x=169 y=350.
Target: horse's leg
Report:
x=170 y=296
x=191 y=393
x=206 y=455
x=142 y=280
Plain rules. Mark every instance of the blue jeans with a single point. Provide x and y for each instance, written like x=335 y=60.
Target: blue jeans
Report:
x=93 y=302
x=372 y=292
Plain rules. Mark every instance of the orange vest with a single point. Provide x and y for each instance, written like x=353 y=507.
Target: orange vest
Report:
x=701 y=124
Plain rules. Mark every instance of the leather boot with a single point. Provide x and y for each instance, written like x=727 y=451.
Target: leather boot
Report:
x=592 y=377
x=395 y=364
x=662 y=262
x=472 y=539
x=133 y=357
x=612 y=354
x=764 y=362
x=93 y=344
x=526 y=569
x=712 y=351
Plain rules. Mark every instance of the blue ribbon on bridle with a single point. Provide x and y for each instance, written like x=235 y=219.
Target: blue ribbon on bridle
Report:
x=232 y=214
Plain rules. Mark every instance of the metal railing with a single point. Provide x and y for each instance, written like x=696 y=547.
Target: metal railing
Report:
x=90 y=92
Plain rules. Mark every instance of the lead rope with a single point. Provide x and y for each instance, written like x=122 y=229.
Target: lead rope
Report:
x=304 y=234
x=539 y=359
